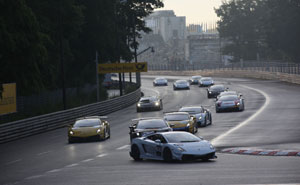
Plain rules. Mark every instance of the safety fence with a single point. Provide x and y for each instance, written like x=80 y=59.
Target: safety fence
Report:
x=39 y=124
x=280 y=67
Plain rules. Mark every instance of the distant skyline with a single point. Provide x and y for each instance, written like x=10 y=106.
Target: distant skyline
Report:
x=196 y=11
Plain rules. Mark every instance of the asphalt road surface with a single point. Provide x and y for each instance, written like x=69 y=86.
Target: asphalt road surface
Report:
x=270 y=121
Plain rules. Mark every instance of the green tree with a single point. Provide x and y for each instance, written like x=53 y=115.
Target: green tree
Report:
x=266 y=27
x=282 y=27
x=22 y=53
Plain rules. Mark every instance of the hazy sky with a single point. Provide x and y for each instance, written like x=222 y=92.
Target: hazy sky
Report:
x=196 y=11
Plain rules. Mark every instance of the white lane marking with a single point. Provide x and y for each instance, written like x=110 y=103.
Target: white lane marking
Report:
x=33 y=177
x=15 y=161
x=71 y=165
x=53 y=171
x=217 y=139
x=43 y=153
x=87 y=160
x=13 y=183
x=102 y=155
x=123 y=147
x=149 y=89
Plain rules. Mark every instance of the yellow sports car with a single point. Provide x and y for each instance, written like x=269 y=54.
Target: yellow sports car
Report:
x=89 y=128
x=181 y=121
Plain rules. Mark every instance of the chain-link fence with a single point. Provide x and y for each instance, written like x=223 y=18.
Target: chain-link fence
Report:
x=289 y=68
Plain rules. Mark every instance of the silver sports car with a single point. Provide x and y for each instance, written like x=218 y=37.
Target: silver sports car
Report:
x=230 y=102
x=202 y=115
x=149 y=103
x=206 y=81
x=170 y=146
x=160 y=81
x=181 y=84
x=195 y=80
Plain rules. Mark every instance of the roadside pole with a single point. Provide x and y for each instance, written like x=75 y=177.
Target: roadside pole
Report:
x=97 y=76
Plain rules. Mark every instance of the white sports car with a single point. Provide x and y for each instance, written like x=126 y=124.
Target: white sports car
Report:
x=170 y=146
x=206 y=81
x=181 y=84
x=160 y=81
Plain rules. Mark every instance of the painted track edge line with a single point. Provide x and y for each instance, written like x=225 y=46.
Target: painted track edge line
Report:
x=266 y=103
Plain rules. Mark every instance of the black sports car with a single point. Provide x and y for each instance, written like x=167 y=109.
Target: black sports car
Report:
x=215 y=90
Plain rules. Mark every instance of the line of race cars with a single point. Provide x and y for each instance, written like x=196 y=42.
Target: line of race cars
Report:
x=171 y=137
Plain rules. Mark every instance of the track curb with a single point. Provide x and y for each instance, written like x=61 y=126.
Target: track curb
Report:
x=261 y=152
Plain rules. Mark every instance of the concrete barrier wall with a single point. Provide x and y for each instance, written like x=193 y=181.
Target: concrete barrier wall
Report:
x=291 y=78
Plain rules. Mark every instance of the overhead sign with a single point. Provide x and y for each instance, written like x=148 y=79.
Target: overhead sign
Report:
x=122 y=67
x=8 y=102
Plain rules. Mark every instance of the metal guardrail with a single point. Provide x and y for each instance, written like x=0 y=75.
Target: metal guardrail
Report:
x=39 y=124
x=288 y=68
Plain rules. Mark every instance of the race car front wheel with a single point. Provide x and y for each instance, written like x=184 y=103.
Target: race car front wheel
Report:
x=167 y=155
x=135 y=153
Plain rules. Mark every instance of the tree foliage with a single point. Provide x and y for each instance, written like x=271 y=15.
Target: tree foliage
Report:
x=31 y=32
x=265 y=27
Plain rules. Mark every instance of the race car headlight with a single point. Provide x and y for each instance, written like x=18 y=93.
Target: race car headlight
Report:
x=137 y=134
x=211 y=147
x=180 y=149
x=209 y=92
x=71 y=132
x=138 y=104
x=98 y=131
x=188 y=125
x=157 y=103
x=200 y=117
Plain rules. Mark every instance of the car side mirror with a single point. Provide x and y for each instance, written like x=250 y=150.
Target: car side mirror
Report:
x=172 y=125
x=158 y=141
x=142 y=94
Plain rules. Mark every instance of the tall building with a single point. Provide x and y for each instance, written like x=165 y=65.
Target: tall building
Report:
x=167 y=24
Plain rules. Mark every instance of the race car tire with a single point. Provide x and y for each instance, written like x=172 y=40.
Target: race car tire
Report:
x=70 y=140
x=167 y=155
x=210 y=120
x=108 y=133
x=205 y=122
x=161 y=106
x=138 y=110
x=135 y=153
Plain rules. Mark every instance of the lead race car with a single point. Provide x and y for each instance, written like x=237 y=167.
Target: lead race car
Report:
x=170 y=146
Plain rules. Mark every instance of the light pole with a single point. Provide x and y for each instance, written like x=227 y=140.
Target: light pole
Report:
x=61 y=48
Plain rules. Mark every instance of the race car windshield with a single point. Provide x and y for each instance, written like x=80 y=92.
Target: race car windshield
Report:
x=87 y=123
x=217 y=88
x=228 y=98
x=181 y=138
x=228 y=93
x=181 y=82
x=191 y=110
x=196 y=77
x=205 y=79
x=151 y=124
x=177 y=117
